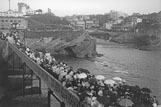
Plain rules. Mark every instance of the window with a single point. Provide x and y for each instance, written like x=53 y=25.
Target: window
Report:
x=15 y=20
x=2 y=20
x=19 y=21
x=11 y=20
x=6 y=20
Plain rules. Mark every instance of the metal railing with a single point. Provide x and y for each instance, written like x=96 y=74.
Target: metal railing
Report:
x=69 y=98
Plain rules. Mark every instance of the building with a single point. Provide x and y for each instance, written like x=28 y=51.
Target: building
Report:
x=117 y=28
x=49 y=10
x=129 y=23
x=11 y=13
x=118 y=21
x=81 y=24
x=136 y=20
x=96 y=23
x=88 y=24
x=26 y=10
x=116 y=14
x=22 y=8
x=108 y=25
x=13 y=22
x=82 y=21
x=136 y=14
x=139 y=20
x=39 y=11
x=132 y=21
x=83 y=17
x=113 y=14
x=30 y=12
x=73 y=23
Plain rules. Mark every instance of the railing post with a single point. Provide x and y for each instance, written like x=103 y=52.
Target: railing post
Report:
x=13 y=61
x=7 y=61
x=31 y=81
x=23 y=79
x=62 y=104
x=20 y=62
x=49 y=98
x=39 y=85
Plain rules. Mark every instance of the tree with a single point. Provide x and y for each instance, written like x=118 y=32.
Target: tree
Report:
x=142 y=40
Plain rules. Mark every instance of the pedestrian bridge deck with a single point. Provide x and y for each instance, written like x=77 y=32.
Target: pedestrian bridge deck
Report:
x=69 y=98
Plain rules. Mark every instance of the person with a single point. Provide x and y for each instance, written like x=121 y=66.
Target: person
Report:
x=1 y=35
x=10 y=39
x=155 y=101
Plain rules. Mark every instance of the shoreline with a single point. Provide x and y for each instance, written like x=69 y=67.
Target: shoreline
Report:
x=109 y=44
x=132 y=46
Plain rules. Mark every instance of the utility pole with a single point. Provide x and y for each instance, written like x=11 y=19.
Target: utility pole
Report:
x=9 y=5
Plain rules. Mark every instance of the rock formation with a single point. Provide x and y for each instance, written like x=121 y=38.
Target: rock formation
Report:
x=78 y=44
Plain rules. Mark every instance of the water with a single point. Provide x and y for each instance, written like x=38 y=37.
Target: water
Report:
x=135 y=66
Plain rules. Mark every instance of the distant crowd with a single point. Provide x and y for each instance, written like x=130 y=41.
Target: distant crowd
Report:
x=93 y=90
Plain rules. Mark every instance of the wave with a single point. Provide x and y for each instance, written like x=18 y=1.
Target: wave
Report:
x=120 y=71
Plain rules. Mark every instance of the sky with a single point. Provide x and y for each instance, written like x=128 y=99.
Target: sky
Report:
x=85 y=7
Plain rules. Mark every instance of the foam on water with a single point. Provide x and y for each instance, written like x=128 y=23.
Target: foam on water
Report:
x=119 y=71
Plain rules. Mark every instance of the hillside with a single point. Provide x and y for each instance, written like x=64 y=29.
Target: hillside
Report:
x=41 y=20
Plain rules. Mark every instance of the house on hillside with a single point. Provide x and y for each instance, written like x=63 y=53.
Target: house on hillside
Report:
x=81 y=24
x=108 y=25
x=30 y=12
x=39 y=11
x=89 y=24
x=95 y=23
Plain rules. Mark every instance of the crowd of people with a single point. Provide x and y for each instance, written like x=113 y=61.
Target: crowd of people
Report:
x=93 y=90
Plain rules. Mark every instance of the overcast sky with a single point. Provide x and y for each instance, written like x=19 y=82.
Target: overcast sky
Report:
x=69 y=7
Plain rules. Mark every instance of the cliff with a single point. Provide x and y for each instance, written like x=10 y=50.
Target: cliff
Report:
x=78 y=44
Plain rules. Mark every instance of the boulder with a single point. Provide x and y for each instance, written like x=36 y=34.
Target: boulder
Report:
x=76 y=44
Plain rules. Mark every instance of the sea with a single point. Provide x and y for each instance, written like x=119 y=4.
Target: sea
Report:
x=136 y=66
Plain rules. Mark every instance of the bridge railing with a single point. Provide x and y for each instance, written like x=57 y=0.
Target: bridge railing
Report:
x=69 y=98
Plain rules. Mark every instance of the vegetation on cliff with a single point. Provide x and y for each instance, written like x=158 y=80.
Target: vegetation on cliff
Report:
x=45 y=20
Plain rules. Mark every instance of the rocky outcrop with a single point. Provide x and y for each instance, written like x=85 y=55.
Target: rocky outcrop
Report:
x=123 y=38
x=153 y=45
x=140 y=41
x=80 y=45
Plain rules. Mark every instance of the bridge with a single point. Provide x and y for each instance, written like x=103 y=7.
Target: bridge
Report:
x=55 y=88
